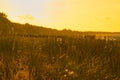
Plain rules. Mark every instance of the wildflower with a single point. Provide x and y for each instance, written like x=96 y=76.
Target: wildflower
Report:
x=65 y=75
x=70 y=72
x=66 y=70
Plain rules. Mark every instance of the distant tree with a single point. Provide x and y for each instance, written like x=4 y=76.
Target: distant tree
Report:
x=27 y=24
x=2 y=14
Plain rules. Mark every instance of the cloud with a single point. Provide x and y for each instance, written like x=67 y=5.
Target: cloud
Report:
x=107 y=18
x=26 y=17
x=103 y=18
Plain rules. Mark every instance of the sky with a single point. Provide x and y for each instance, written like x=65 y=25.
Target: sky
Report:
x=80 y=15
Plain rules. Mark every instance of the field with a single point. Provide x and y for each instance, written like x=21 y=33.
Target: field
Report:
x=28 y=52
x=58 y=58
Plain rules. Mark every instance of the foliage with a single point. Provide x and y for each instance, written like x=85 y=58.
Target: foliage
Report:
x=43 y=58
x=3 y=15
x=29 y=55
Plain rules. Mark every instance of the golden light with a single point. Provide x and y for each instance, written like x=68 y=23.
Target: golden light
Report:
x=82 y=15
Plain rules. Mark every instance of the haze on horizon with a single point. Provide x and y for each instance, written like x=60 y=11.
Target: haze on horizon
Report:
x=81 y=15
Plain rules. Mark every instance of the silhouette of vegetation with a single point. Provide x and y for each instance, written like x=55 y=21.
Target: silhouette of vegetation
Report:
x=3 y=15
x=29 y=52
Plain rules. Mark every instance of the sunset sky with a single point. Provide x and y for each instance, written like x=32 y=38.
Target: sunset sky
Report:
x=81 y=15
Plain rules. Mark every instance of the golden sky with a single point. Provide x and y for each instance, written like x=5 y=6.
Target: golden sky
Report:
x=82 y=15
